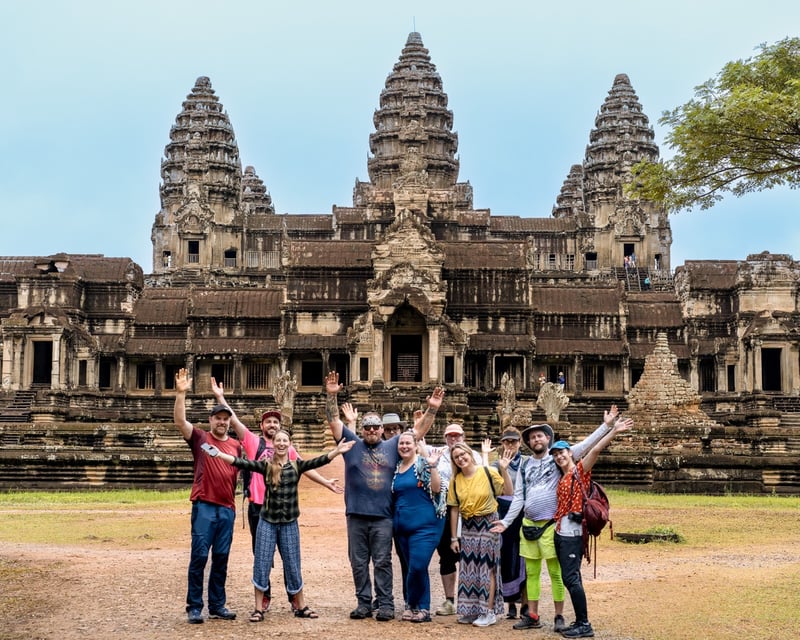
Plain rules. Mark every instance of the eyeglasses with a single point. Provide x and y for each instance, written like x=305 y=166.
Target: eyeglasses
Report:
x=370 y=427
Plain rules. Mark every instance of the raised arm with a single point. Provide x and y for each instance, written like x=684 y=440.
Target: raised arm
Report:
x=332 y=388
x=422 y=425
x=622 y=424
x=182 y=384
x=502 y=464
x=219 y=393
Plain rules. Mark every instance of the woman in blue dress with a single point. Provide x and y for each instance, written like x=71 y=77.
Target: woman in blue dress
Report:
x=419 y=508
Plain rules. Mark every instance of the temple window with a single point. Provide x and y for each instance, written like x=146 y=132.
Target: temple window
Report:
x=363 y=369
x=82 y=373
x=193 y=251
x=146 y=375
x=594 y=377
x=569 y=262
x=707 y=375
x=449 y=369
x=551 y=261
x=166 y=259
x=258 y=375
x=222 y=372
x=230 y=258
x=311 y=373
x=731 y=378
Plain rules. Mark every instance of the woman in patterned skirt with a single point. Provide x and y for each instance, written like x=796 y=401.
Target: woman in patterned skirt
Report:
x=472 y=494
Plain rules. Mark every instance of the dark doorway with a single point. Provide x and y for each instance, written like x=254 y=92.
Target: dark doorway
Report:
x=406 y=358
x=43 y=363
x=771 y=369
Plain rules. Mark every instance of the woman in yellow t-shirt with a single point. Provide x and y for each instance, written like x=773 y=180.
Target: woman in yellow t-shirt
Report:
x=472 y=495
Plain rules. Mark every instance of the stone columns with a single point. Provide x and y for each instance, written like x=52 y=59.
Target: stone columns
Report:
x=433 y=353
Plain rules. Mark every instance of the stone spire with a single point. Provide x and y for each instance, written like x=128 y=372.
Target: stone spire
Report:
x=662 y=398
x=622 y=136
x=570 y=201
x=202 y=158
x=255 y=197
x=413 y=137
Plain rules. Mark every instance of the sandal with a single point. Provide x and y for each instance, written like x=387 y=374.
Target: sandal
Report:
x=257 y=616
x=305 y=612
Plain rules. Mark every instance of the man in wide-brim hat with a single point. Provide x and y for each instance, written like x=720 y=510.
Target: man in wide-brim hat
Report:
x=535 y=492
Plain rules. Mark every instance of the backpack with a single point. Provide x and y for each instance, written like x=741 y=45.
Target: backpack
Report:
x=246 y=474
x=595 y=517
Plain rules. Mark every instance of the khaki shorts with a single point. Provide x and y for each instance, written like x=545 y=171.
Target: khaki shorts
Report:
x=541 y=549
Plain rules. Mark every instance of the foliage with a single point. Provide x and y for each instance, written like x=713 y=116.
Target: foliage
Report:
x=740 y=133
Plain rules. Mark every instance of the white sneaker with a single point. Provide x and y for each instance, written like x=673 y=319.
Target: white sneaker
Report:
x=485 y=620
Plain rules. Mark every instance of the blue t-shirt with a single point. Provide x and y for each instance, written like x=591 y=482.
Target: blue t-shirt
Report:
x=368 y=473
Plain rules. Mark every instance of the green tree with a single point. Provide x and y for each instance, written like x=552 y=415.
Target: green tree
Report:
x=740 y=133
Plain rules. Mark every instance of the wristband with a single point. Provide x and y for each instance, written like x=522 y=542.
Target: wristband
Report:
x=453 y=539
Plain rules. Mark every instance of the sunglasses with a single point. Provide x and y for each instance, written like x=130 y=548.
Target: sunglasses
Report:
x=370 y=427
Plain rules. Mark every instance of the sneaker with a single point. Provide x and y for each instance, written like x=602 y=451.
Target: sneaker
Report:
x=195 y=617
x=512 y=611
x=361 y=612
x=222 y=614
x=559 y=624
x=423 y=615
x=528 y=622
x=467 y=619
x=447 y=608
x=485 y=620
x=524 y=610
x=579 y=630
x=384 y=614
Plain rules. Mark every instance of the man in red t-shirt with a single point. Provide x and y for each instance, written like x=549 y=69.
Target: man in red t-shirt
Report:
x=213 y=505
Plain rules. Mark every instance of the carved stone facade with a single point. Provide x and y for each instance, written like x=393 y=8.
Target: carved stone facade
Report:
x=408 y=287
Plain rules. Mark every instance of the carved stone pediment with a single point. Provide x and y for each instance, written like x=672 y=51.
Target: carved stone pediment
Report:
x=629 y=219
x=193 y=216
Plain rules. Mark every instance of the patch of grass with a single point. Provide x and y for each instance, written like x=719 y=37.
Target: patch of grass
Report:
x=19 y=498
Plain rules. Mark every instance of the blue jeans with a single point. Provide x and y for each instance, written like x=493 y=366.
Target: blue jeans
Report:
x=370 y=539
x=212 y=531
x=569 y=550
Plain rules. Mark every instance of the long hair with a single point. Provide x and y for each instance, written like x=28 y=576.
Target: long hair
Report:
x=462 y=446
x=275 y=467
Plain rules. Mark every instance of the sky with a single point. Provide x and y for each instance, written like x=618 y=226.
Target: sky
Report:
x=90 y=90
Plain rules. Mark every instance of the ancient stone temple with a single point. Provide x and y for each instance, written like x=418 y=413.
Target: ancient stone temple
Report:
x=407 y=287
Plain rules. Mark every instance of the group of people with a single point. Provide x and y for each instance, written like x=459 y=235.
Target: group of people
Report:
x=399 y=490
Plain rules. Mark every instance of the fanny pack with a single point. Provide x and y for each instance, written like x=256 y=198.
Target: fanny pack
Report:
x=532 y=532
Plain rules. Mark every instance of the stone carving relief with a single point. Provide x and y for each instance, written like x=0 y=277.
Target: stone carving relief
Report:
x=284 y=390
x=552 y=400
x=629 y=219
x=413 y=170
x=508 y=399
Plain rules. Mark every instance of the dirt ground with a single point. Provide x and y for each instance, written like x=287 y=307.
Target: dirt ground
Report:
x=101 y=590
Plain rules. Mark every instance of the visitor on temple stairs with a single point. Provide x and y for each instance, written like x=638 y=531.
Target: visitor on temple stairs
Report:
x=448 y=559
x=369 y=469
x=512 y=566
x=262 y=448
x=213 y=505
x=419 y=508
x=278 y=526
x=535 y=496
x=472 y=494
x=569 y=529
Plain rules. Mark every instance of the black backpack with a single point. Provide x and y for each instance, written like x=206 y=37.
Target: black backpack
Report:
x=247 y=474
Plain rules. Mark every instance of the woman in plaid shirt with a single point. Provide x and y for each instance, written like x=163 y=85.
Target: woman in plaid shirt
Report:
x=277 y=525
